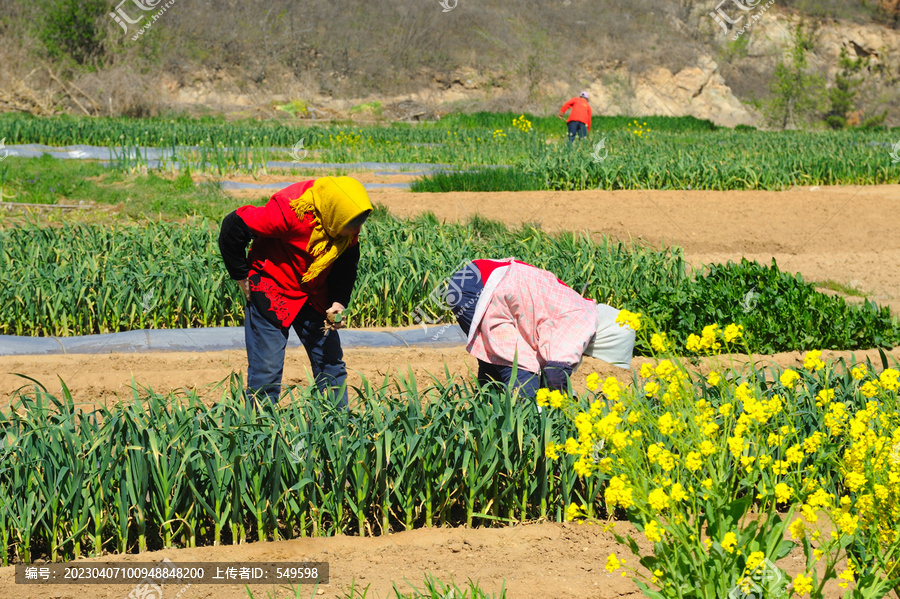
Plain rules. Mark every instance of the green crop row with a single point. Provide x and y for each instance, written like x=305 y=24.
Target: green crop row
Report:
x=651 y=154
x=19 y=128
x=720 y=160
x=83 y=279
x=166 y=471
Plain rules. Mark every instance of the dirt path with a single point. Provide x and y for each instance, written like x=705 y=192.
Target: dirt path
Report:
x=532 y=561
x=540 y=561
x=106 y=379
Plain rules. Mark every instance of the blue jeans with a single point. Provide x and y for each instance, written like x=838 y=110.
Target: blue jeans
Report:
x=266 y=343
x=527 y=383
x=577 y=128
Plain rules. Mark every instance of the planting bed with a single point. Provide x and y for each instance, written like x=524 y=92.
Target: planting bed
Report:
x=838 y=236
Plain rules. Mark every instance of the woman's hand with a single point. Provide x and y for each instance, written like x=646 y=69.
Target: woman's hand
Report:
x=244 y=284
x=336 y=308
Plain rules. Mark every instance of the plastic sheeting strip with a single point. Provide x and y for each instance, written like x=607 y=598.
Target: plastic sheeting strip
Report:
x=215 y=339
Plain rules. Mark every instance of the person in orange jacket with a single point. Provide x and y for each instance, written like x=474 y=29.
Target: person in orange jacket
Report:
x=580 y=118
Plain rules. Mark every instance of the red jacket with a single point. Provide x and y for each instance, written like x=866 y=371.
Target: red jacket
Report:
x=581 y=111
x=278 y=258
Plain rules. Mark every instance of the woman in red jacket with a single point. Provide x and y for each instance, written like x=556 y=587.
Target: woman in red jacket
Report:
x=579 y=122
x=301 y=268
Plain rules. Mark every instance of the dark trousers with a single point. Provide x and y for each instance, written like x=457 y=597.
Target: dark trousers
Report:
x=267 y=341
x=527 y=383
x=577 y=128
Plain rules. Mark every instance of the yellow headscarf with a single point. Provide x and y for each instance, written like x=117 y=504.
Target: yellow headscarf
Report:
x=335 y=202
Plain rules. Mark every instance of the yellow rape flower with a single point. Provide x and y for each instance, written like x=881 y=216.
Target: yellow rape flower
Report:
x=812 y=362
x=652 y=532
x=693 y=462
x=732 y=332
x=612 y=563
x=543 y=395
x=869 y=389
x=824 y=396
x=713 y=379
x=729 y=542
x=582 y=467
x=677 y=492
x=889 y=379
x=847 y=576
x=551 y=451
x=783 y=493
x=709 y=338
x=619 y=493
x=658 y=500
x=659 y=342
x=798 y=530
x=736 y=446
x=664 y=369
x=859 y=372
x=651 y=388
x=813 y=442
x=693 y=343
x=647 y=370
x=855 y=481
x=794 y=455
x=836 y=417
x=630 y=319
x=707 y=448
x=820 y=499
x=754 y=560
x=611 y=388
x=788 y=378
x=575 y=511
x=556 y=398
x=666 y=423
x=593 y=381
x=802 y=584
x=847 y=523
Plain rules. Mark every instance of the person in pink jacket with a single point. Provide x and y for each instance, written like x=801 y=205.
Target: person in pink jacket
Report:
x=514 y=313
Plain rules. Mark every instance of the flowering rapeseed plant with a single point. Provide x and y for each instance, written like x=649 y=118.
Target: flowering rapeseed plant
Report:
x=522 y=124
x=713 y=471
x=639 y=129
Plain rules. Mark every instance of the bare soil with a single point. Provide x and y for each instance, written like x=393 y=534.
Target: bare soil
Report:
x=843 y=235
x=105 y=379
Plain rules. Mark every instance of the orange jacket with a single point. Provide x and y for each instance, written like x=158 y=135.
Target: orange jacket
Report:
x=581 y=111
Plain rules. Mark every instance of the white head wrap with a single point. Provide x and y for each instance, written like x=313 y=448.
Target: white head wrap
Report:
x=612 y=343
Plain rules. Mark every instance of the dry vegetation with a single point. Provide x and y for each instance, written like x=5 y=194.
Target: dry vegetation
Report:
x=356 y=48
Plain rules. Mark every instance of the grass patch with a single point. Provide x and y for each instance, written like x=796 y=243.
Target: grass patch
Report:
x=499 y=179
x=433 y=589
x=841 y=288
x=47 y=180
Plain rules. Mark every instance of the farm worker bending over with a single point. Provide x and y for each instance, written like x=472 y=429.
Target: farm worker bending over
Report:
x=300 y=271
x=515 y=312
x=580 y=118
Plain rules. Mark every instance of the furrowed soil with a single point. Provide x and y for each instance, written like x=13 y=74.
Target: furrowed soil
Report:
x=842 y=237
